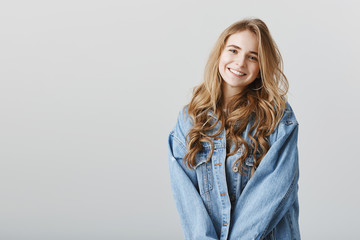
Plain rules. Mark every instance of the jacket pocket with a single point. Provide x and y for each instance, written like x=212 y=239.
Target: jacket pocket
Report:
x=249 y=162
x=205 y=180
x=204 y=174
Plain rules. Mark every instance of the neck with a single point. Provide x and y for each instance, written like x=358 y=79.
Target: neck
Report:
x=228 y=93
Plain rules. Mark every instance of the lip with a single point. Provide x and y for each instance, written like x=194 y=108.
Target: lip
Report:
x=236 y=74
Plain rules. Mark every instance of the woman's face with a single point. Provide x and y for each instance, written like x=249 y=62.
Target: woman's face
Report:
x=239 y=65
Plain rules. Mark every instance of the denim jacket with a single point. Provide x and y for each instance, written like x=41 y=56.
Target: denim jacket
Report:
x=215 y=201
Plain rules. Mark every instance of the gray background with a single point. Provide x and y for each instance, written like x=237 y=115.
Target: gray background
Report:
x=90 y=90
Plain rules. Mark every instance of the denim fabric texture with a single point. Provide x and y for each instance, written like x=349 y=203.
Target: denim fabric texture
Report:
x=215 y=201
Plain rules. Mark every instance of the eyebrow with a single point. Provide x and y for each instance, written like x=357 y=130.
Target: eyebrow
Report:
x=234 y=46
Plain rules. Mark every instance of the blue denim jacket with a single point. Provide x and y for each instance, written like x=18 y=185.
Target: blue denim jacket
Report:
x=215 y=201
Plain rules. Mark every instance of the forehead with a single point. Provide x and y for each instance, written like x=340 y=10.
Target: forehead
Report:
x=245 y=40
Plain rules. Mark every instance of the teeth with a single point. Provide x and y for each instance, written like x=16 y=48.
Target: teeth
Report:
x=236 y=72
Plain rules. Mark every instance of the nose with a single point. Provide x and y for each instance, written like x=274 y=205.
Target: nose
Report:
x=241 y=60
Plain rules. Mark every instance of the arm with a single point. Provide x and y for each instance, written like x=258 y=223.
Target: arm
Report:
x=272 y=190
x=195 y=220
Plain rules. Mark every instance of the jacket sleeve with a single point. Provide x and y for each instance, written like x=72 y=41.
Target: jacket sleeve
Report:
x=272 y=190
x=195 y=220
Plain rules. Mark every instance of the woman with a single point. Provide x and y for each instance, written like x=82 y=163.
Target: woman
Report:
x=233 y=153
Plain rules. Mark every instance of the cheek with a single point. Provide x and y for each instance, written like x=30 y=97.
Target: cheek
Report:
x=256 y=69
x=221 y=69
x=224 y=59
x=222 y=63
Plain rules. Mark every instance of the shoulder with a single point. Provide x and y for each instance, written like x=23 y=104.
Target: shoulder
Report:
x=287 y=125
x=184 y=122
x=288 y=117
x=182 y=127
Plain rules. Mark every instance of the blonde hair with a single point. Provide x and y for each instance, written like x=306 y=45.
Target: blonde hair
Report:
x=262 y=101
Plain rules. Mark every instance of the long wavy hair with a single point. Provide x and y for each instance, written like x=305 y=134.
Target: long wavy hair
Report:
x=261 y=103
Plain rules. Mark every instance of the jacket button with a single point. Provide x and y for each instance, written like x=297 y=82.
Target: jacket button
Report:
x=235 y=169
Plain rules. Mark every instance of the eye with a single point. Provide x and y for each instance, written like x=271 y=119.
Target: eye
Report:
x=233 y=51
x=252 y=58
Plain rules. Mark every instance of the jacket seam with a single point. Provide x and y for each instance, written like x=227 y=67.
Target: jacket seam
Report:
x=179 y=141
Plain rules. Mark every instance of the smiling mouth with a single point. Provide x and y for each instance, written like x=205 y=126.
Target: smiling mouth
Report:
x=237 y=73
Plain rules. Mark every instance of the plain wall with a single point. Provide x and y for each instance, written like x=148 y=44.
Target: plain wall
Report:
x=90 y=90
